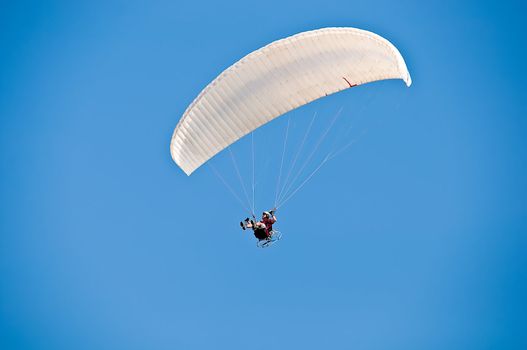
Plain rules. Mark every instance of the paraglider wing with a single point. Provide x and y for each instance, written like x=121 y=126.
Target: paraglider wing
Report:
x=278 y=78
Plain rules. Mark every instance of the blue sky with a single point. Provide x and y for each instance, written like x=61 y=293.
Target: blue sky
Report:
x=413 y=239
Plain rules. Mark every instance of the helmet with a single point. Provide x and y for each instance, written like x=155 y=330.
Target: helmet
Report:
x=266 y=213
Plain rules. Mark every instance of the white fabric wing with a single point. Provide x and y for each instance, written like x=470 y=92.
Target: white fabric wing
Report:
x=278 y=78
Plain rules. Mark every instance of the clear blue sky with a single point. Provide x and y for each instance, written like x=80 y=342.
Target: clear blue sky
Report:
x=414 y=239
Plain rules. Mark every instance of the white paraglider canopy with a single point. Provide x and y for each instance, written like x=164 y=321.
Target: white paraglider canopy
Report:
x=278 y=78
